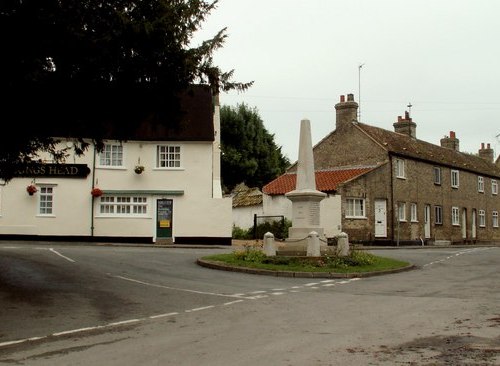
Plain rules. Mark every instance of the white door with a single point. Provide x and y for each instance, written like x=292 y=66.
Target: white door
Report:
x=380 y=219
x=473 y=228
x=464 y=224
x=427 y=221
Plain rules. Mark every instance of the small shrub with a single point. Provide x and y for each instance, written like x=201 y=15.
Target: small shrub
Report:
x=241 y=234
x=250 y=255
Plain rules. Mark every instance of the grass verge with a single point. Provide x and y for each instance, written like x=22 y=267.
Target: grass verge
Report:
x=355 y=262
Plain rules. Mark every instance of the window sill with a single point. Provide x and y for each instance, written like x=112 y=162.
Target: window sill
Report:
x=168 y=169
x=356 y=217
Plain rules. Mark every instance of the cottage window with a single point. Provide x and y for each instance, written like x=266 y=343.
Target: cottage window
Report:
x=355 y=208
x=494 y=187
x=400 y=168
x=495 y=218
x=437 y=175
x=123 y=206
x=455 y=179
x=455 y=216
x=46 y=201
x=480 y=184
x=111 y=155
x=168 y=156
x=413 y=212
x=482 y=218
x=402 y=211
x=438 y=215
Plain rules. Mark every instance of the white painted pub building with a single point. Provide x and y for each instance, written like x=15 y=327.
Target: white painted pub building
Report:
x=162 y=185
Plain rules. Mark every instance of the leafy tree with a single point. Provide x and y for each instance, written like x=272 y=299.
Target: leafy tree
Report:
x=55 y=48
x=249 y=153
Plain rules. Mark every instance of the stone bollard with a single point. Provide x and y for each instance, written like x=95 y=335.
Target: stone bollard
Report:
x=313 y=249
x=269 y=245
x=343 y=244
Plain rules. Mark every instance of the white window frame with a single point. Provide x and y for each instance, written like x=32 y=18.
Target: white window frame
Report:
x=413 y=212
x=455 y=178
x=169 y=156
x=438 y=215
x=124 y=206
x=494 y=216
x=437 y=175
x=482 y=218
x=494 y=187
x=402 y=211
x=480 y=184
x=46 y=200
x=455 y=216
x=111 y=156
x=355 y=208
x=400 y=169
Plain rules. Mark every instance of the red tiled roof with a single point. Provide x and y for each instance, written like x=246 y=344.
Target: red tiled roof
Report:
x=326 y=180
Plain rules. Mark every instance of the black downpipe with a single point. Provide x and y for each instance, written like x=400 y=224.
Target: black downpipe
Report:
x=93 y=198
x=393 y=214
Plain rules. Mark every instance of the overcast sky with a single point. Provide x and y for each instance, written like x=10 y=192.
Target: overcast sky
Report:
x=442 y=56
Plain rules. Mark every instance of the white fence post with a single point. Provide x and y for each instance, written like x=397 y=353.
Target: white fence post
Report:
x=269 y=245
x=313 y=249
x=343 y=244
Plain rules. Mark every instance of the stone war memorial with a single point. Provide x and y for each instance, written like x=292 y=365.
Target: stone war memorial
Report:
x=305 y=234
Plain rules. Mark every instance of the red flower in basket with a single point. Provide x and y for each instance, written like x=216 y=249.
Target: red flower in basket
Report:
x=31 y=189
x=96 y=192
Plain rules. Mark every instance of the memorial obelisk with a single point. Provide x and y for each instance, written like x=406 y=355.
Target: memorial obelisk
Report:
x=305 y=198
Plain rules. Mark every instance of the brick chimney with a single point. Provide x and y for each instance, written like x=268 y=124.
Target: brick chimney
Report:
x=406 y=126
x=346 y=111
x=486 y=153
x=451 y=142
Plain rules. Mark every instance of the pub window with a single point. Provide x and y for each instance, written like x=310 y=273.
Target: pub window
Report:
x=46 y=201
x=168 y=156
x=111 y=155
x=123 y=206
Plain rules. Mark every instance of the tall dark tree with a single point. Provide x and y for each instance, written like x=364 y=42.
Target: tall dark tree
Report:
x=249 y=152
x=60 y=51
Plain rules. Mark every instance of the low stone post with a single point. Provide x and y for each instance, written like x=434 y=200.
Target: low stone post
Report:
x=269 y=245
x=313 y=249
x=343 y=244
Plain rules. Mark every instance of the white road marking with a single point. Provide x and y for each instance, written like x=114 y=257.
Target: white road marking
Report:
x=232 y=302
x=198 y=309
x=175 y=288
x=163 y=315
x=60 y=255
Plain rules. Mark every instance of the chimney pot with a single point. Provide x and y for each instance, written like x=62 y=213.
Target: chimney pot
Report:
x=342 y=98
x=350 y=97
x=400 y=118
x=488 y=145
x=452 y=134
x=482 y=145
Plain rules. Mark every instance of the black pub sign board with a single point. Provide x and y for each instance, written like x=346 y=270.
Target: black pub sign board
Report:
x=55 y=171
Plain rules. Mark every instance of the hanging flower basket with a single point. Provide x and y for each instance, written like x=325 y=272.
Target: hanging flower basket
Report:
x=138 y=169
x=31 y=189
x=96 y=192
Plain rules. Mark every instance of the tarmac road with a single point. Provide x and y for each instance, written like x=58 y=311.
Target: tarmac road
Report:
x=90 y=305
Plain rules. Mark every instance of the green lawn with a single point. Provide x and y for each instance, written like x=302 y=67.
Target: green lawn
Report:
x=356 y=262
